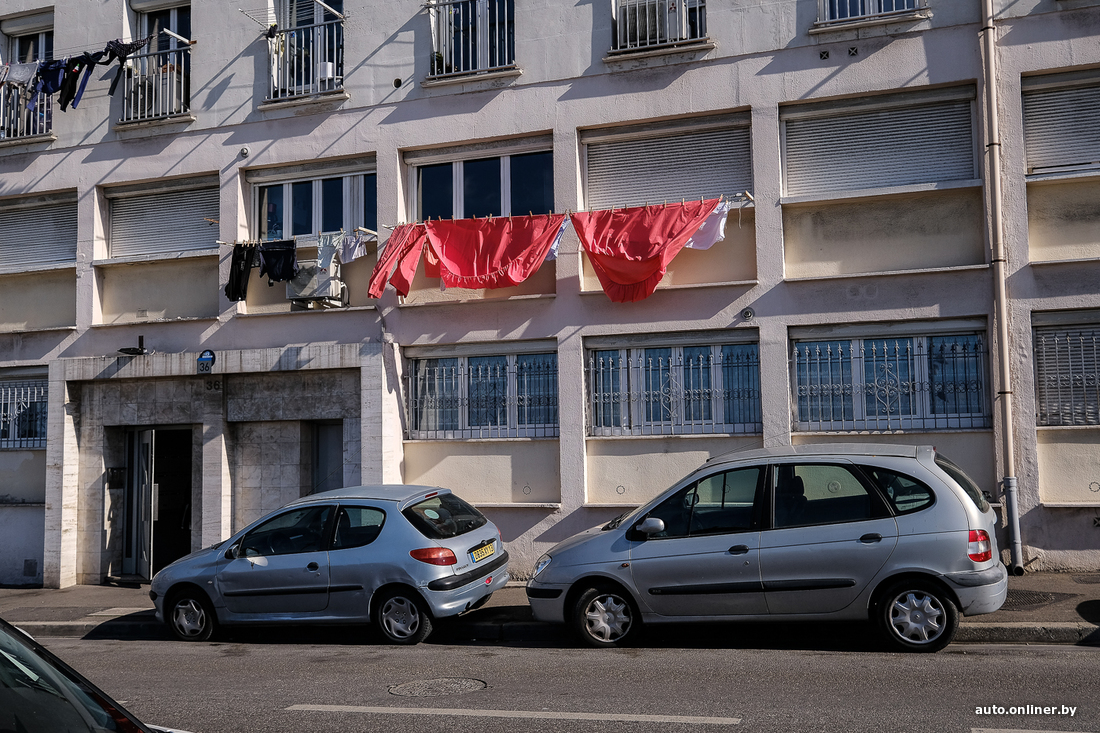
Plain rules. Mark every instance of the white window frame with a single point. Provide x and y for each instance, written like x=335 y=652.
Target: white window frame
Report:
x=443 y=33
x=353 y=202
x=663 y=34
x=873 y=10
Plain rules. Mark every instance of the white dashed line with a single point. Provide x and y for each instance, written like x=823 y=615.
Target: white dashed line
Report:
x=528 y=714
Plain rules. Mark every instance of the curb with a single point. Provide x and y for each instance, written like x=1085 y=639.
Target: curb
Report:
x=1030 y=633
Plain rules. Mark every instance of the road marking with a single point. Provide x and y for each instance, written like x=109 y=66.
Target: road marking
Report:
x=530 y=714
x=1014 y=730
x=119 y=611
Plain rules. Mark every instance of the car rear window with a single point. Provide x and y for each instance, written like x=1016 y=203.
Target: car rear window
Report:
x=905 y=493
x=964 y=481
x=444 y=516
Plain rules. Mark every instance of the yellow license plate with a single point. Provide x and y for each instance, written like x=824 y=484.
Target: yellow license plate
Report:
x=481 y=553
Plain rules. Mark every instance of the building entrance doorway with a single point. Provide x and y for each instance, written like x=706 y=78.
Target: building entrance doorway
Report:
x=158 y=499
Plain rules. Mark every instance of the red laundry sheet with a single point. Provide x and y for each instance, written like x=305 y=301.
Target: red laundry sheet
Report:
x=630 y=249
x=491 y=253
x=403 y=249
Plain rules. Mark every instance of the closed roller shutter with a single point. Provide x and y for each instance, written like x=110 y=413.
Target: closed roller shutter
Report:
x=1060 y=127
x=37 y=236
x=689 y=165
x=880 y=148
x=164 y=223
x=1067 y=375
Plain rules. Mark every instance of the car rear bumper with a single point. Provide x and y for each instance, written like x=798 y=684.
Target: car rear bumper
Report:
x=478 y=585
x=981 y=591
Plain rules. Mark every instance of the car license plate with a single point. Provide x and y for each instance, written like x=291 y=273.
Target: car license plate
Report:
x=480 y=553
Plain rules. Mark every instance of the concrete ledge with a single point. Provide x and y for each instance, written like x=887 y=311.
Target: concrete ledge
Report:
x=1029 y=632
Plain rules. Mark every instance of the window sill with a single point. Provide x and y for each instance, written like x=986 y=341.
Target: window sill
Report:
x=13 y=504
x=272 y=314
x=15 y=142
x=142 y=259
x=887 y=273
x=662 y=436
x=825 y=26
x=1057 y=175
x=868 y=193
x=47 y=329
x=690 y=286
x=155 y=321
x=305 y=100
x=587 y=505
x=1066 y=427
x=515 y=505
x=37 y=268
x=1070 y=504
x=900 y=431
x=183 y=118
x=1077 y=261
x=554 y=438
x=468 y=301
x=693 y=46
x=473 y=76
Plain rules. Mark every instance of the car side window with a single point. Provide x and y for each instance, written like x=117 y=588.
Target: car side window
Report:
x=809 y=494
x=357 y=526
x=905 y=493
x=717 y=504
x=298 y=530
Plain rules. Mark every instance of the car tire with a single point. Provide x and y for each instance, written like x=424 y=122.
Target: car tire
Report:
x=604 y=616
x=917 y=616
x=402 y=617
x=191 y=616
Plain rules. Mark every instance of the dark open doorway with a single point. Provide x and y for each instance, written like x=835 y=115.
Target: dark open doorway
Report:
x=158 y=499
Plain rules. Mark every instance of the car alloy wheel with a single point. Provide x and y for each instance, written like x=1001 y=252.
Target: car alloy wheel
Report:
x=604 y=617
x=918 y=617
x=191 y=617
x=402 y=619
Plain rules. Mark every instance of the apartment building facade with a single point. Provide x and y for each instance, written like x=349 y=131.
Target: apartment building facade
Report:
x=878 y=279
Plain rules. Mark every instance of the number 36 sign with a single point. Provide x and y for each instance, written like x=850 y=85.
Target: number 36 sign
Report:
x=205 y=362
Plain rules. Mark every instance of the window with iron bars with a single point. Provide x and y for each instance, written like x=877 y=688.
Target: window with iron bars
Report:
x=501 y=396
x=23 y=414
x=646 y=24
x=1067 y=375
x=472 y=36
x=17 y=118
x=307 y=49
x=674 y=390
x=158 y=82
x=832 y=10
x=916 y=382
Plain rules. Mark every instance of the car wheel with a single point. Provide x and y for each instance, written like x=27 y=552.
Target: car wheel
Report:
x=402 y=619
x=918 y=617
x=605 y=617
x=191 y=616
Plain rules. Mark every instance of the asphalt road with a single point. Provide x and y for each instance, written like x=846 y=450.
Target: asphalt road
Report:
x=346 y=681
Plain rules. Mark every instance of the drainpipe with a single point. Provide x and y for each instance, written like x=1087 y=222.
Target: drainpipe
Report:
x=993 y=148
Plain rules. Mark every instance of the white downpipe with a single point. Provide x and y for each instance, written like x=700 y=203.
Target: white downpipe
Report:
x=993 y=149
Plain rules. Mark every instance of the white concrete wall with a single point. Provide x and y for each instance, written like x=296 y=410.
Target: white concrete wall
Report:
x=22 y=533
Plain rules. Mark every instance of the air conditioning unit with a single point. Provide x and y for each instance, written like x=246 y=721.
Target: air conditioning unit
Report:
x=314 y=283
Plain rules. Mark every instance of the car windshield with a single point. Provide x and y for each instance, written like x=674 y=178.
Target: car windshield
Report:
x=39 y=693
x=444 y=516
x=963 y=481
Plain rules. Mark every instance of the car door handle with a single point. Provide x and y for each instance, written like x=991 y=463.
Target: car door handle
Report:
x=739 y=550
x=871 y=537
x=312 y=566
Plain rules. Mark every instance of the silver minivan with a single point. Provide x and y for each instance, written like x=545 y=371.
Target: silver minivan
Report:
x=897 y=534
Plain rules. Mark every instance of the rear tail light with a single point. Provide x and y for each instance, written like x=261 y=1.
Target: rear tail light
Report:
x=436 y=556
x=980 y=549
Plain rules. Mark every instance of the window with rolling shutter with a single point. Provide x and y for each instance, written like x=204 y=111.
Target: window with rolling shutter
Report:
x=1061 y=129
x=667 y=165
x=163 y=223
x=1067 y=375
x=896 y=144
x=37 y=235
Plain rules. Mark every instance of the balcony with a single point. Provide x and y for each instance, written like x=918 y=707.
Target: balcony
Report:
x=647 y=25
x=472 y=37
x=867 y=12
x=157 y=85
x=307 y=60
x=17 y=121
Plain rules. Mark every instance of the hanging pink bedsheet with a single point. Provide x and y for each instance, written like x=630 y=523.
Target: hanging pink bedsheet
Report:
x=403 y=249
x=492 y=253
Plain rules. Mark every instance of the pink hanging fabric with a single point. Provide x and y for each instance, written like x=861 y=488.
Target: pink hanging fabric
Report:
x=403 y=249
x=492 y=253
x=630 y=249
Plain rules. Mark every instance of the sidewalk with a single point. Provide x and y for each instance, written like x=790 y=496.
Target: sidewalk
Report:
x=1042 y=608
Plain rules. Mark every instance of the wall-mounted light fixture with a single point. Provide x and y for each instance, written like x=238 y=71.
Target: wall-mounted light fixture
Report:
x=138 y=350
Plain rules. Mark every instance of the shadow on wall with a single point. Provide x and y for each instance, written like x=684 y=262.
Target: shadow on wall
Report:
x=578 y=521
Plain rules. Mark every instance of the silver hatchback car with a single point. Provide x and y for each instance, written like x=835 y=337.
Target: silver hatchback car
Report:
x=897 y=534
x=397 y=556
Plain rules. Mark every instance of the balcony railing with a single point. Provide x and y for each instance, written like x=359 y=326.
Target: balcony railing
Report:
x=307 y=59
x=17 y=121
x=649 y=24
x=472 y=36
x=844 y=10
x=157 y=85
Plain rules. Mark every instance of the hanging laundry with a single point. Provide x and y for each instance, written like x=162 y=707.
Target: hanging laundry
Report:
x=327 y=247
x=713 y=229
x=355 y=245
x=553 y=253
x=22 y=74
x=630 y=249
x=4 y=72
x=47 y=81
x=121 y=51
x=90 y=62
x=431 y=264
x=492 y=253
x=240 y=269
x=403 y=249
x=278 y=260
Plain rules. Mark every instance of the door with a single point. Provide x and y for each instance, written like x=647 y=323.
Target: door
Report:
x=706 y=561
x=281 y=566
x=831 y=534
x=137 y=558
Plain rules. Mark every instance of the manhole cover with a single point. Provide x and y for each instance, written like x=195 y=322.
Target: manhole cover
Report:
x=438 y=688
x=1026 y=600
x=1087 y=579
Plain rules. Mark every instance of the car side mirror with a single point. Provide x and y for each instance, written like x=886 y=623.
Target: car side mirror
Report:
x=650 y=526
x=231 y=553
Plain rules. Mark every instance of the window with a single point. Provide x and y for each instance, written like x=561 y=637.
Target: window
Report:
x=1067 y=375
x=472 y=36
x=311 y=206
x=858 y=9
x=905 y=493
x=718 y=504
x=645 y=24
x=17 y=119
x=1058 y=136
x=913 y=382
x=443 y=516
x=499 y=186
x=23 y=414
x=307 y=48
x=357 y=526
x=158 y=82
x=499 y=396
x=176 y=219
x=299 y=530
x=674 y=390
x=37 y=232
x=812 y=494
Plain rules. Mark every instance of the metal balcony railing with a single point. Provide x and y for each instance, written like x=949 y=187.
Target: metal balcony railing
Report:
x=307 y=59
x=472 y=36
x=157 y=85
x=17 y=121
x=861 y=9
x=647 y=24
